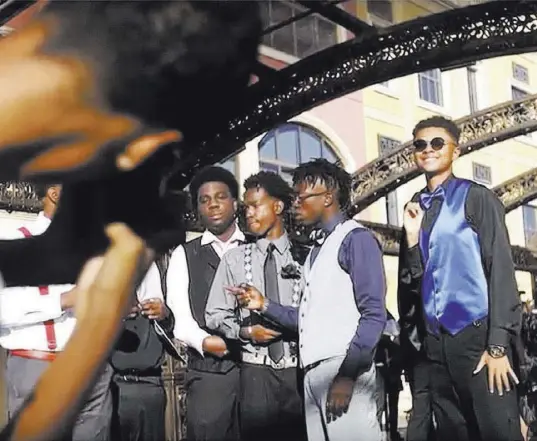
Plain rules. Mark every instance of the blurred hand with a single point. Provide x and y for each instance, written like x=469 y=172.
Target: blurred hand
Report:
x=259 y=334
x=412 y=218
x=215 y=345
x=154 y=309
x=248 y=297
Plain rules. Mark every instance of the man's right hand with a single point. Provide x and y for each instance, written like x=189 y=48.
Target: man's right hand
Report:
x=215 y=345
x=248 y=297
x=412 y=218
x=258 y=334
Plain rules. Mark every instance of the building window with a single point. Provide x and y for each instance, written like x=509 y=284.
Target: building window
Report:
x=288 y=145
x=381 y=9
x=517 y=93
x=520 y=73
x=482 y=173
x=430 y=83
x=301 y=38
x=387 y=145
x=529 y=217
x=472 y=89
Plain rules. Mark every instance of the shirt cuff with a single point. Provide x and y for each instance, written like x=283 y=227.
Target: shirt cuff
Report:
x=498 y=337
x=194 y=341
x=414 y=262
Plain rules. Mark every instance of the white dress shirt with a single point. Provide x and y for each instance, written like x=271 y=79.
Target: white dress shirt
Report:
x=150 y=287
x=186 y=328
x=23 y=309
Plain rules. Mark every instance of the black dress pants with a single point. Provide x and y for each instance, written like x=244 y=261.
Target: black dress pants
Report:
x=212 y=405
x=271 y=405
x=464 y=408
x=139 y=409
x=420 y=426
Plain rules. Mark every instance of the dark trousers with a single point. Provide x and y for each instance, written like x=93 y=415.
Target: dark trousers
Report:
x=139 y=409
x=387 y=401
x=420 y=426
x=464 y=408
x=93 y=421
x=271 y=407
x=212 y=405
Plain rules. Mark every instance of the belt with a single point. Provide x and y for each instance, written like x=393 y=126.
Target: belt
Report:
x=136 y=375
x=265 y=360
x=34 y=355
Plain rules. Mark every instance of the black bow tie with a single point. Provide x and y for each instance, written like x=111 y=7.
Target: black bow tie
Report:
x=318 y=236
x=426 y=199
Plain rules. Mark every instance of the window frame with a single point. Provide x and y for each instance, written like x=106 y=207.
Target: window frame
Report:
x=436 y=80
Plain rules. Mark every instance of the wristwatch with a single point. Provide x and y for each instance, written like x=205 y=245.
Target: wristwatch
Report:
x=496 y=351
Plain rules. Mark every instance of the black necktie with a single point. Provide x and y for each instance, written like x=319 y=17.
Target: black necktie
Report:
x=272 y=292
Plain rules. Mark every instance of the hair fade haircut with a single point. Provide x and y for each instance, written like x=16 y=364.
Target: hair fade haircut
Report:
x=213 y=174
x=439 y=122
x=273 y=184
x=334 y=177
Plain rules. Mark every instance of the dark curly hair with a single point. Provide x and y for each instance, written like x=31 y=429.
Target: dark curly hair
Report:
x=334 y=177
x=212 y=174
x=440 y=122
x=169 y=63
x=274 y=185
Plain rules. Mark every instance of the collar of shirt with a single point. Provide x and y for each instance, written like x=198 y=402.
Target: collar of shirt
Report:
x=281 y=244
x=443 y=184
x=219 y=246
x=333 y=222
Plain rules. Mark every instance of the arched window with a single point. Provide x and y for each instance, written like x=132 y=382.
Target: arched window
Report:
x=288 y=145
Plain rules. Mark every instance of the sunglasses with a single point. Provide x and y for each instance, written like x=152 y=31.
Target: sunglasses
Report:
x=436 y=144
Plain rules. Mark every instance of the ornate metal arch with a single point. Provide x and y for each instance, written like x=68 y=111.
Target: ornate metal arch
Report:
x=498 y=123
x=437 y=41
x=518 y=190
x=390 y=238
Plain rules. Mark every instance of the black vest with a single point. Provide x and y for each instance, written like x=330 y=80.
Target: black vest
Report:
x=138 y=348
x=202 y=263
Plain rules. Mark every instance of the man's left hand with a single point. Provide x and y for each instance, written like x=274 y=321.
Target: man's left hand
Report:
x=339 y=397
x=499 y=371
x=154 y=309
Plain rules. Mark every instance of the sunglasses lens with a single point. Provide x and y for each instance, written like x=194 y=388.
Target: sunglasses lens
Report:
x=420 y=145
x=437 y=143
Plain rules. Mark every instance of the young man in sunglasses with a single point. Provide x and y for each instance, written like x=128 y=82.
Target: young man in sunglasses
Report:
x=458 y=295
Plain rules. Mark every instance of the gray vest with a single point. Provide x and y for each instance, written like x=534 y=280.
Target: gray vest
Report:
x=328 y=315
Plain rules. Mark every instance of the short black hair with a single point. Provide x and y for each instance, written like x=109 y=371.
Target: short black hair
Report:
x=441 y=122
x=42 y=189
x=331 y=175
x=273 y=184
x=213 y=173
x=170 y=63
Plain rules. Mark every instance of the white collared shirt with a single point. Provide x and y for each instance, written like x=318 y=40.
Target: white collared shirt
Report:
x=186 y=328
x=23 y=309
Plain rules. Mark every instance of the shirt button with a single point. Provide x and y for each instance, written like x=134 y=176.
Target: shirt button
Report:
x=302 y=314
x=301 y=346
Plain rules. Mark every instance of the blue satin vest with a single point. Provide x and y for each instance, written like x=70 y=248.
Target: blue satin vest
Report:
x=454 y=288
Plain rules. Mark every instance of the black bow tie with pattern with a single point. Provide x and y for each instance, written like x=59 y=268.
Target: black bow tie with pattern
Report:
x=318 y=236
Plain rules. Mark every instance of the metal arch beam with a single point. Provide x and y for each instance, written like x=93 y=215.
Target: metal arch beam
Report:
x=518 y=190
x=390 y=237
x=464 y=35
x=498 y=123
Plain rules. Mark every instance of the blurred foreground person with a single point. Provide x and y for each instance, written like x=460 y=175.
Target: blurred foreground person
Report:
x=105 y=289
x=80 y=124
